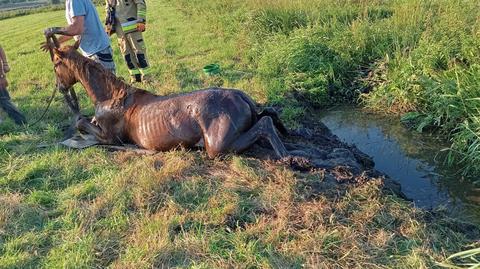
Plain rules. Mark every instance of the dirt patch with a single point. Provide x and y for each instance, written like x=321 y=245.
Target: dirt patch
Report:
x=313 y=147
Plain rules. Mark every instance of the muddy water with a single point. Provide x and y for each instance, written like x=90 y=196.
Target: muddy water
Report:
x=411 y=158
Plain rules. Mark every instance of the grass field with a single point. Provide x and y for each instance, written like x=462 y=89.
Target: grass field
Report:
x=416 y=59
x=63 y=208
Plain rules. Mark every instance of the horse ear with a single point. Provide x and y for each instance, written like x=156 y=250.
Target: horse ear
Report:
x=76 y=45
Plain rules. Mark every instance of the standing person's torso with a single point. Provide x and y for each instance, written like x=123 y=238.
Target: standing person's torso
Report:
x=125 y=10
x=94 y=38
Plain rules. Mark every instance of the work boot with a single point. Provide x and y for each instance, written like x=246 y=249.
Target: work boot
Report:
x=147 y=79
x=135 y=78
x=11 y=110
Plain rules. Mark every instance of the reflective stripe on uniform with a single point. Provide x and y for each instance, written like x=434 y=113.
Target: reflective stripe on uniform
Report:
x=129 y=26
x=142 y=14
x=134 y=72
x=145 y=71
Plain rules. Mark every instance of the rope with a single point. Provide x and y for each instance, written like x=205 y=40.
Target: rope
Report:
x=46 y=109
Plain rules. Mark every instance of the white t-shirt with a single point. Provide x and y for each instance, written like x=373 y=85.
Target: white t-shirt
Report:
x=94 y=39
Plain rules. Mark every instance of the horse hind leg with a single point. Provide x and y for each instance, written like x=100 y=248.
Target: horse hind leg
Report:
x=272 y=113
x=264 y=128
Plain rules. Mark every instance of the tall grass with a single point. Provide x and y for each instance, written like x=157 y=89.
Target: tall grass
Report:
x=414 y=58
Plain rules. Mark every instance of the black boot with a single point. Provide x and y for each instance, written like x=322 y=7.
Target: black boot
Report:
x=10 y=108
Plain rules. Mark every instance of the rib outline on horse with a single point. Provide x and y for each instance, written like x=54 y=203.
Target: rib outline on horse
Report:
x=226 y=119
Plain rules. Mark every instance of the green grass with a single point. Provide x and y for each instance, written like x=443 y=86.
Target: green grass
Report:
x=63 y=208
x=408 y=57
x=6 y=14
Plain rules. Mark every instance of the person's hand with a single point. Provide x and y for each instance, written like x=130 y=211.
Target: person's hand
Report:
x=109 y=30
x=49 y=32
x=3 y=82
x=44 y=46
x=141 y=27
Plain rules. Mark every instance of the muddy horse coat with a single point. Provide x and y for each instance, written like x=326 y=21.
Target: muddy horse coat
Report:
x=225 y=119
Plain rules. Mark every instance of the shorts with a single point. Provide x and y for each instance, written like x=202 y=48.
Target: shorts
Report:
x=105 y=58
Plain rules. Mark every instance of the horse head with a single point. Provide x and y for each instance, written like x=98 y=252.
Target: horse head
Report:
x=59 y=55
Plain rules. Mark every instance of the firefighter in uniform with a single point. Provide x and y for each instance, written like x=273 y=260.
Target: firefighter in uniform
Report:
x=127 y=19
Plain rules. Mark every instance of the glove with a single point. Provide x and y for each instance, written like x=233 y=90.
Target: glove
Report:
x=141 y=27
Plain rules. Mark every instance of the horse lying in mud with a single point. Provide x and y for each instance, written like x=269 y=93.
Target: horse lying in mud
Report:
x=225 y=119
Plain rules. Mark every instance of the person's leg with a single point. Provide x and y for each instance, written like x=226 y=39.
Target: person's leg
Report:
x=105 y=58
x=127 y=52
x=139 y=50
x=12 y=111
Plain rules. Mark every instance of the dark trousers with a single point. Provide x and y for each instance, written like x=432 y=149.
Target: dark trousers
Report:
x=12 y=111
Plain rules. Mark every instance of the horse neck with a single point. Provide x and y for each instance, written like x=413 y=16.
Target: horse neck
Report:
x=100 y=85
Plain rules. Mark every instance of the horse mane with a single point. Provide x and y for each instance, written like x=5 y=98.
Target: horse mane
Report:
x=84 y=66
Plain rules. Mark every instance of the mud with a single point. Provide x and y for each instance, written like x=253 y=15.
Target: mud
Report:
x=314 y=148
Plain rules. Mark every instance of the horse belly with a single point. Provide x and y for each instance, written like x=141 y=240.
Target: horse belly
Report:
x=159 y=129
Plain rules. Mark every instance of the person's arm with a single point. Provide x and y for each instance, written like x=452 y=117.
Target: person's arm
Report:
x=77 y=11
x=74 y=29
x=141 y=15
x=64 y=38
x=67 y=33
x=109 y=17
x=141 y=9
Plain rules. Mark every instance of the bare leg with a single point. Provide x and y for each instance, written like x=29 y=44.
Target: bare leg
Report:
x=264 y=128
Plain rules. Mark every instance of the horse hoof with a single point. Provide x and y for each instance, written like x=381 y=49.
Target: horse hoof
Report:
x=297 y=163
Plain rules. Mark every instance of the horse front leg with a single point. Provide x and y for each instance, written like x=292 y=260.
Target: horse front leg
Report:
x=73 y=96
x=72 y=101
x=84 y=125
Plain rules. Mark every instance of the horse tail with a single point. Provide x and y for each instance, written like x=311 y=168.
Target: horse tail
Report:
x=268 y=111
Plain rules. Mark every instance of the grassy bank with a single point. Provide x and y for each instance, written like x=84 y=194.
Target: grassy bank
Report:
x=418 y=59
x=62 y=208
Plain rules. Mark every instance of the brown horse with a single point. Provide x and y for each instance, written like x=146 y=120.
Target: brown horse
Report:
x=225 y=119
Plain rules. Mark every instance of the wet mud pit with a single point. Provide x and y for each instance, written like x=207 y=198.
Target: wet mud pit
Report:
x=314 y=148
x=414 y=160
